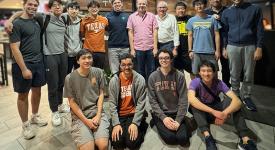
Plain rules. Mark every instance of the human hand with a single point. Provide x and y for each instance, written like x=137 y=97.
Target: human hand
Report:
x=90 y=124
x=191 y=55
x=117 y=131
x=133 y=53
x=217 y=54
x=169 y=123
x=155 y=52
x=8 y=26
x=224 y=53
x=175 y=52
x=258 y=54
x=27 y=74
x=133 y=131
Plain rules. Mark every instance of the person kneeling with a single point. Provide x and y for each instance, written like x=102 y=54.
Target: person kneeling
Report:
x=206 y=106
x=167 y=94
x=127 y=106
x=84 y=90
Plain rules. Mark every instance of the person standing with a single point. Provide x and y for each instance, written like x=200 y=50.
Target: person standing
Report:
x=92 y=28
x=143 y=37
x=243 y=42
x=28 y=71
x=118 y=42
x=216 y=8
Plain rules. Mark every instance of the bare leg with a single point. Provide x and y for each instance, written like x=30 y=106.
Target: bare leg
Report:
x=35 y=99
x=22 y=106
x=87 y=146
x=102 y=143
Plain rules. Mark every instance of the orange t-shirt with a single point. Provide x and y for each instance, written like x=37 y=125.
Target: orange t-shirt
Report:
x=93 y=31
x=127 y=105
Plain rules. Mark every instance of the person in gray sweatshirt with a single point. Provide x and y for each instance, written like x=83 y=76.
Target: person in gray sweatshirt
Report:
x=167 y=94
x=127 y=106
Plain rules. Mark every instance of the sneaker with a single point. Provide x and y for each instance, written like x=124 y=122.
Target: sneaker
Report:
x=38 y=120
x=249 y=104
x=249 y=146
x=64 y=108
x=56 y=120
x=27 y=131
x=210 y=143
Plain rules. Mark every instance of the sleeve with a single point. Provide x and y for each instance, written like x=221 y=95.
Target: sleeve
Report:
x=176 y=32
x=217 y=25
x=82 y=27
x=141 y=99
x=130 y=23
x=189 y=25
x=260 y=28
x=155 y=23
x=223 y=87
x=153 y=99
x=106 y=22
x=102 y=80
x=113 y=101
x=183 y=101
x=15 y=36
x=68 y=91
x=225 y=30
x=194 y=84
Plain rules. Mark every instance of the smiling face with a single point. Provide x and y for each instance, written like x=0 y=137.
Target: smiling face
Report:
x=93 y=10
x=162 y=8
x=85 y=61
x=165 y=60
x=180 y=11
x=207 y=74
x=117 y=5
x=73 y=12
x=141 y=6
x=30 y=7
x=199 y=7
x=126 y=66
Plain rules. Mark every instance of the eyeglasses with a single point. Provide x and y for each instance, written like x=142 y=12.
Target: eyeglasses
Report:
x=126 y=65
x=164 y=58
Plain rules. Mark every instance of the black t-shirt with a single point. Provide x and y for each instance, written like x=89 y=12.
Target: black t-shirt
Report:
x=182 y=21
x=27 y=32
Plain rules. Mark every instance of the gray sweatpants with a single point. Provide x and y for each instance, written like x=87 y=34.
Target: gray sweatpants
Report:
x=241 y=58
x=113 y=56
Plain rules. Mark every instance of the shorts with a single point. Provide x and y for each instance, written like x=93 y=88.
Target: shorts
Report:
x=22 y=85
x=82 y=134
x=198 y=58
x=183 y=61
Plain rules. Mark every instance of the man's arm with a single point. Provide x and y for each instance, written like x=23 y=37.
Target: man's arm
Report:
x=217 y=43
x=155 y=34
x=235 y=104
x=131 y=42
x=190 y=44
x=27 y=74
x=176 y=37
x=225 y=29
x=260 y=35
x=8 y=24
x=183 y=101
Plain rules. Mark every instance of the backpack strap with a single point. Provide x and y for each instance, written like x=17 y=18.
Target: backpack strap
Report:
x=217 y=98
x=43 y=30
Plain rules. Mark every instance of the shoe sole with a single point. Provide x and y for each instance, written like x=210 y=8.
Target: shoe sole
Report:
x=240 y=148
x=248 y=107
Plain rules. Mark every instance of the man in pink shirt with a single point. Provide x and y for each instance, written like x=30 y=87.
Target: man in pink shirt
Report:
x=143 y=32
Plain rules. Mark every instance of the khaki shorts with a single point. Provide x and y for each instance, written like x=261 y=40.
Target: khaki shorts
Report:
x=82 y=134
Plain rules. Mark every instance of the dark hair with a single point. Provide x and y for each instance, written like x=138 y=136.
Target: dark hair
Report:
x=82 y=52
x=25 y=1
x=207 y=63
x=181 y=4
x=166 y=51
x=125 y=56
x=202 y=1
x=93 y=3
x=52 y=1
x=114 y=0
x=73 y=5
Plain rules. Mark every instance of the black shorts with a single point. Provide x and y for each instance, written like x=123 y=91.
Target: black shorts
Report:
x=183 y=61
x=22 y=85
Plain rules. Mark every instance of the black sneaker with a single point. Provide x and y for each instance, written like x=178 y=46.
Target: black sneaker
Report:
x=249 y=146
x=210 y=143
x=249 y=104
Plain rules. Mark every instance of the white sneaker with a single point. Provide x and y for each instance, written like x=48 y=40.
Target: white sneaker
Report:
x=27 y=131
x=64 y=108
x=38 y=120
x=56 y=120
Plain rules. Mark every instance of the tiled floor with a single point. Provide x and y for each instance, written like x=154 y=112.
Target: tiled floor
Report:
x=59 y=138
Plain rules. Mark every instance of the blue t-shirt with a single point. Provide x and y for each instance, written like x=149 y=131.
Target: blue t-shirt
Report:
x=218 y=86
x=203 y=33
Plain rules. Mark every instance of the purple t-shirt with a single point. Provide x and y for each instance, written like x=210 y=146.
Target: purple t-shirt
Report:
x=218 y=86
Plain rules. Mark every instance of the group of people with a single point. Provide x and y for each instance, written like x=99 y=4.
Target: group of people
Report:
x=147 y=55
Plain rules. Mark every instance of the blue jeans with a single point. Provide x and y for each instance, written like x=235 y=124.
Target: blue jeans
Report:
x=145 y=64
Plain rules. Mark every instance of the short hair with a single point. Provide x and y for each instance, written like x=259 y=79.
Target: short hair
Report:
x=125 y=56
x=73 y=5
x=164 y=2
x=207 y=63
x=202 y=1
x=25 y=1
x=114 y=1
x=181 y=4
x=82 y=52
x=166 y=51
x=52 y=1
x=93 y=3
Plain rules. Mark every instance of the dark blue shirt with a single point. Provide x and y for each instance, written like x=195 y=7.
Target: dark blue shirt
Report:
x=118 y=33
x=243 y=25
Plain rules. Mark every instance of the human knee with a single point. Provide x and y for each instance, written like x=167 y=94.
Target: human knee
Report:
x=170 y=139
x=23 y=96
x=102 y=144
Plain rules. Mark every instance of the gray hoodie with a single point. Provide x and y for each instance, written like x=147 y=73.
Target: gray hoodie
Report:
x=168 y=94
x=138 y=95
